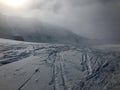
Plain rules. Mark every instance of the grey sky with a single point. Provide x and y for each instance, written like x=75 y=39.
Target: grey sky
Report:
x=91 y=18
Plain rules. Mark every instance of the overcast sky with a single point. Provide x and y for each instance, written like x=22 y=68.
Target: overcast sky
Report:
x=91 y=18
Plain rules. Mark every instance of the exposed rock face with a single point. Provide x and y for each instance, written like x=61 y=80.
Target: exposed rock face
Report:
x=19 y=38
x=58 y=67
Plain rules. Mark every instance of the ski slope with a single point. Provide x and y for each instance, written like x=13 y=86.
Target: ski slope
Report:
x=43 y=66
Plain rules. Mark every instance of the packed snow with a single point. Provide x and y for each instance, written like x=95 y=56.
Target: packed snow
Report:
x=43 y=66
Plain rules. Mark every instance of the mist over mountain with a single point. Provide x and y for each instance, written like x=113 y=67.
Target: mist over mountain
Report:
x=59 y=44
x=35 y=31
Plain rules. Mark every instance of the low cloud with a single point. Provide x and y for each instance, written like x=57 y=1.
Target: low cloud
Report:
x=90 y=18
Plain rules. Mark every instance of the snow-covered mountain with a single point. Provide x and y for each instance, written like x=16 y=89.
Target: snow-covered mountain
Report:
x=35 y=31
x=46 y=58
x=40 y=66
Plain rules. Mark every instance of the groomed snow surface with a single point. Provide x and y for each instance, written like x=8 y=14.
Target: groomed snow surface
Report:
x=35 y=66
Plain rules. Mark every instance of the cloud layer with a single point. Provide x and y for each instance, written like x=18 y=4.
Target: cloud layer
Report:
x=90 y=18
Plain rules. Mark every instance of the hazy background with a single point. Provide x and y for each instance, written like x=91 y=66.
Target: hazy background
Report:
x=95 y=19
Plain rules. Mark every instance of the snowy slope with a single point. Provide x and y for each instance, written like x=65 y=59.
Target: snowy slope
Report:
x=37 y=31
x=40 y=66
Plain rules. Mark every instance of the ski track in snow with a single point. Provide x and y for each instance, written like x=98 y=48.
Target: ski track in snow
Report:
x=49 y=66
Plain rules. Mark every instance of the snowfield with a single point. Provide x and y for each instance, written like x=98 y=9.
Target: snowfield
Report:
x=42 y=66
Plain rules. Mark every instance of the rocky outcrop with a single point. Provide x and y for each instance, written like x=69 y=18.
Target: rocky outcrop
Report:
x=18 y=38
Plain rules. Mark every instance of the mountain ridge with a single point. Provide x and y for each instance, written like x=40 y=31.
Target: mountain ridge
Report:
x=36 y=31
